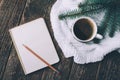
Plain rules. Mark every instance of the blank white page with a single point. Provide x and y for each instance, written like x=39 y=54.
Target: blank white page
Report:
x=35 y=35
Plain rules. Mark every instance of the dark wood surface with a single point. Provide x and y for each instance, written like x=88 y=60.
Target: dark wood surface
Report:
x=16 y=12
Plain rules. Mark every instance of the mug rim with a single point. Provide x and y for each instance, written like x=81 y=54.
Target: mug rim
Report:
x=93 y=34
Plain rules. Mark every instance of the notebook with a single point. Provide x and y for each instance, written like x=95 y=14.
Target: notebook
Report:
x=35 y=35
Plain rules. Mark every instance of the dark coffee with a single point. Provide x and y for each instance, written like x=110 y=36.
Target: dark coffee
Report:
x=83 y=29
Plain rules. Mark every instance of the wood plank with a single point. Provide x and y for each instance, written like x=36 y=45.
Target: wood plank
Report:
x=84 y=71
x=107 y=69
x=13 y=68
x=7 y=20
x=10 y=15
x=110 y=67
x=64 y=66
x=36 y=9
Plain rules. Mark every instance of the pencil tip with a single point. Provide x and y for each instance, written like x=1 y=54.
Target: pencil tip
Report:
x=58 y=72
x=24 y=45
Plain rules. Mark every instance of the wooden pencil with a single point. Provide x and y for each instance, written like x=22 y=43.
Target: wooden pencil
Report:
x=40 y=58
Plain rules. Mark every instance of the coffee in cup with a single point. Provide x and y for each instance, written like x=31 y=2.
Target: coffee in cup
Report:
x=85 y=29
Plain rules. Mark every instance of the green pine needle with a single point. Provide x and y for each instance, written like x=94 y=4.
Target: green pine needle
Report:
x=116 y=22
x=84 y=10
x=112 y=24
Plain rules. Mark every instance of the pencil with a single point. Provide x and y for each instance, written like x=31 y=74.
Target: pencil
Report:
x=40 y=58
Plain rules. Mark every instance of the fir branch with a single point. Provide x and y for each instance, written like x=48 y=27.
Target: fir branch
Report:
x=110 y=24
x=117 y=21
x=113 y=23
x=118 y=18
x=94 y=1
x=83 y=5
x=85 y=10
x=89 y=6
x=116 y=2
x=70 y=14
x=103 y=27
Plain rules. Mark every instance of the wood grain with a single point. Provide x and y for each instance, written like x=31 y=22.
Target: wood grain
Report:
x=10 y=14
x=13 y=70
x=84 y=72
x=110 y=67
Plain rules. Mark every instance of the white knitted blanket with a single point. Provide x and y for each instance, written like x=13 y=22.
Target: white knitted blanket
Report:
x=82 y=52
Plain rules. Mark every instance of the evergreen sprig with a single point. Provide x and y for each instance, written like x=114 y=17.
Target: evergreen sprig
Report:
x=89 y=8
x=83 y=10
x=116 y=2
x=116 y=21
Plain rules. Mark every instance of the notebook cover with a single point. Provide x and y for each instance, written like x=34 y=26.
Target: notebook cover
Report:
x=35 y=35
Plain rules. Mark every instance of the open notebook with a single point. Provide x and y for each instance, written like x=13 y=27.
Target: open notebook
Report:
x=35 y=35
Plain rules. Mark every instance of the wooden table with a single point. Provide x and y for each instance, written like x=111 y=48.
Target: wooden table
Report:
x=16 y=12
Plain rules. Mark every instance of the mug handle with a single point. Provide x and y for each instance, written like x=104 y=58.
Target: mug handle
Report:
x=98 y=36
